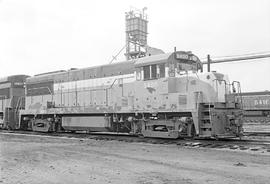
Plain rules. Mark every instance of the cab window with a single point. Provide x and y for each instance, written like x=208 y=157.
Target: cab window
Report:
x=161 y=70
x=153 y=71
x=171 y=70
x=146 y=72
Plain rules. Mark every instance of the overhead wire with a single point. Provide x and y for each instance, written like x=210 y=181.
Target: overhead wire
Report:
x=241 y=55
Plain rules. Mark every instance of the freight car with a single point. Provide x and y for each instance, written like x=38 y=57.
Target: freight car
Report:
x=155 y=96
x=256 y=107
x=12 y=94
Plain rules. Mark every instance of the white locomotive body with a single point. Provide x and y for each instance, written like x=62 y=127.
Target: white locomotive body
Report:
x=156 y=96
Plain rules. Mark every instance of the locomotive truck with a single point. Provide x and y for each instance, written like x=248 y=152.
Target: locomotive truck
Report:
x=166 y=95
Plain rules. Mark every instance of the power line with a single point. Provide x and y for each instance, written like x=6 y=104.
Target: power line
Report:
x=241 y=55
x=237 y=55
x=242 y=58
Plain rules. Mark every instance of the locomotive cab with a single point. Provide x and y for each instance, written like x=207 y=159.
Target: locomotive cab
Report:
x=182 y=102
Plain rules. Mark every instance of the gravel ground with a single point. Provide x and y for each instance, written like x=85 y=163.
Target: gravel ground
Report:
x=36 y=159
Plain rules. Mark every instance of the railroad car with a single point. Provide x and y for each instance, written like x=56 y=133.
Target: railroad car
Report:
x=12 y=94
x=256 y=107
x=162 y=95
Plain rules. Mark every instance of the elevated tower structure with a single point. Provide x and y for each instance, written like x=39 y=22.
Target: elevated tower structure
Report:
x=136 y=33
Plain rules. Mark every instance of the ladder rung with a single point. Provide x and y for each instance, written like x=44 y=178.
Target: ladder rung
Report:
x=208 y=111
x=206 y=126
x=206 y=118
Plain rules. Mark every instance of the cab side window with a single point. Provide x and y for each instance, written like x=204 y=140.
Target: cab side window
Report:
x=171 y=70
x=154 y=71
x=161 y=70
x=146 y=72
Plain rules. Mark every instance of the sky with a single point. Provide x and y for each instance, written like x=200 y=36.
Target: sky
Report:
x=38 y=36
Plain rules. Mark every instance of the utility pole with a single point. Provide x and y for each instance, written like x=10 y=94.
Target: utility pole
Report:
x=208 y=63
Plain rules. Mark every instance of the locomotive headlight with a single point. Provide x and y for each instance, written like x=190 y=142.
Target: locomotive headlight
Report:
x=26 y=118
x=232 y=122
x=130 y=119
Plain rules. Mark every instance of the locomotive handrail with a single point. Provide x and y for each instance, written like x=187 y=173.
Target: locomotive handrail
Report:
x=239 y=93
x=112 y=84
x=3 y=97
x=220 y=80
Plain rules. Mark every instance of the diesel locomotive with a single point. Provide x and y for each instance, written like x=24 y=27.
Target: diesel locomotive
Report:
x=166 y=95
x=12 y=96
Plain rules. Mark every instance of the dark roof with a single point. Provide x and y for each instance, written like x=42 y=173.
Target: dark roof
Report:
x=13 y=78
x=189 y=62
x=256 y=93
x=126 y=67
x=154 y=59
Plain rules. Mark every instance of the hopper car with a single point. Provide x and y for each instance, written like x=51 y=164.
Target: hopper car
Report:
x=256 y=106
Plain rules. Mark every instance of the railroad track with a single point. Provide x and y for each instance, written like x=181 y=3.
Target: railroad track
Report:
x=253 y=133
x=246 y=143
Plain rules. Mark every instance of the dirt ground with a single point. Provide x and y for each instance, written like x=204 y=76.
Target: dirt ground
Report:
x=35 y=159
